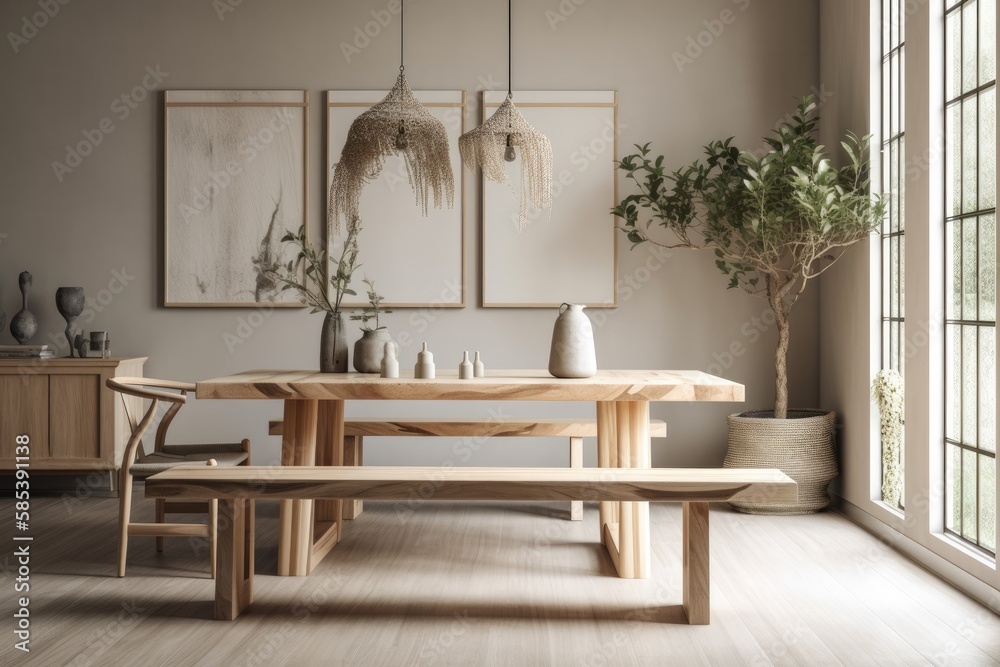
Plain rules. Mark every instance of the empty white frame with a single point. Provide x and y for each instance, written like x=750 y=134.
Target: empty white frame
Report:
x=416 y=262
x=235 y=179
x=572 y=257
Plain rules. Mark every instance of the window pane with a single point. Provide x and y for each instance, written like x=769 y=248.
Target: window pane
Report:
x=970 y=56
x=970 y=150
x=988 y=267
x=893 y=189
x=953 y=488
x=987 y=155
x=987 y=388
x=953 y=56
x=987 y=41
x=953 y=160
x=953 y=382
x=900 y=277
x=970 y=269
x=901 y=182
x=953 y=270
x=893 y=272
x=969 y=489
x=970 y=384
x=987 y=502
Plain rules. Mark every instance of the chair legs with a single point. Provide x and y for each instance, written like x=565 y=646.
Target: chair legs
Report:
x=161 y=514
x=124 y=514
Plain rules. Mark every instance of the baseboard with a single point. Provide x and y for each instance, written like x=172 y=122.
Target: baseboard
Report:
x=972 y=586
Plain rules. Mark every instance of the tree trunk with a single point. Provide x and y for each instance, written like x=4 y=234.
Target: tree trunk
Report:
x=781 y=365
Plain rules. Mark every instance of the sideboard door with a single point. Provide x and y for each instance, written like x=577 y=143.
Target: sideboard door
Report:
x=24 y=410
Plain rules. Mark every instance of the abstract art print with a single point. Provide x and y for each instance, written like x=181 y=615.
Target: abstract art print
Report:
x=236 y=174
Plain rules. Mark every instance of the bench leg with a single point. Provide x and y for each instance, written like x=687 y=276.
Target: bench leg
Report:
x=353 y=456
x=576 y=461
x=696 y=559
x=235 y=564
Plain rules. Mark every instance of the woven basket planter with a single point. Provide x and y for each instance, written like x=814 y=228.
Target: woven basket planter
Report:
x=800 y=446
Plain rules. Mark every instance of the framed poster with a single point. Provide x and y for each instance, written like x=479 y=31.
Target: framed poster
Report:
x=572 y=256
x=235 y=180
x=415 y=261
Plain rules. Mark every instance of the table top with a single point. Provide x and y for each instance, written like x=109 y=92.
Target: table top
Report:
x=510 y=385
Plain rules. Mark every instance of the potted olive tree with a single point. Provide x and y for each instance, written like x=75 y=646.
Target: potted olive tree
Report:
x=776 y=220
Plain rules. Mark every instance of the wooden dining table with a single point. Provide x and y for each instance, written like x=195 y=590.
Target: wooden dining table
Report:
x=314 y=436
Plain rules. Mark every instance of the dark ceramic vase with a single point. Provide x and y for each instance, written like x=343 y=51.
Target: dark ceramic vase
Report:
x=24 y=325
x=70 y=303
x=333 y=345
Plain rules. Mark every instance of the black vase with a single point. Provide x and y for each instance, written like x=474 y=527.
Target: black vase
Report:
x=70 y=303
x=24 y=325
x=333 y=345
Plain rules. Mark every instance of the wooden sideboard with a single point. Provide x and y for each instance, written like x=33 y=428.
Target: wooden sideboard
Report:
x=76 y=424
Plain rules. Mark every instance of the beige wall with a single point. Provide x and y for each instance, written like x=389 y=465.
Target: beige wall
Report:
x=105 y=215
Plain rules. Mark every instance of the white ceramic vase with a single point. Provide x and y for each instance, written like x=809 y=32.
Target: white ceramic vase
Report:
x=573 y=354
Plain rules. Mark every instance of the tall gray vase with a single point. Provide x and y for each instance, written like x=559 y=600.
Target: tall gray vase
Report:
x=70 y=303
x=333 y=344
x=23 y=325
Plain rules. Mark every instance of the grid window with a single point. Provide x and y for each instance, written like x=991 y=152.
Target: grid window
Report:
x=892 y=143
x=970 y=272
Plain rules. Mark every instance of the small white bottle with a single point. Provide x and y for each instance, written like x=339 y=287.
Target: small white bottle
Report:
x=465 y=368
x=424 y=370
x=390 y=365
x=478 y=369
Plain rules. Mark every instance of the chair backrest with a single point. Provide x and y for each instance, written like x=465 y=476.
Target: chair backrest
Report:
x=155 y=391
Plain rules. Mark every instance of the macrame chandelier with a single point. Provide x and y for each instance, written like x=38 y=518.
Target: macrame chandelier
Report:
x=491 y=145
x=398 y=124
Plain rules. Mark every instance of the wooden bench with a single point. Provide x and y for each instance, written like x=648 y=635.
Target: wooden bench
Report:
x=236 y=489
x=576 y=430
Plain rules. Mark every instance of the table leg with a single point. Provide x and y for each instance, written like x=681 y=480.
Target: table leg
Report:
x=625 y=525
x=298 y=448
x=329 y=452
x=235 y=564
x=607 y=457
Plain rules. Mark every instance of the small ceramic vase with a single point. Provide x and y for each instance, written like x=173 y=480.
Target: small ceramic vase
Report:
x=465 y=368
x=478 y=370
x=390 y=364
x=424 y=370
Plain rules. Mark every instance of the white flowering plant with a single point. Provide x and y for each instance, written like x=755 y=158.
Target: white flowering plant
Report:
x=887 y=392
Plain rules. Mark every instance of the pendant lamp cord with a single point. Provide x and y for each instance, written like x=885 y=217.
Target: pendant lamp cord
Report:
x=509 y=31
x=401 y=6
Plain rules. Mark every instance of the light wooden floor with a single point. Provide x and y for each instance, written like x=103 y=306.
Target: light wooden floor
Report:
x=490 y=584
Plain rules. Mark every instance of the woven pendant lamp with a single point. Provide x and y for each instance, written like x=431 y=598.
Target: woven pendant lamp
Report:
x=492 y=144
x=398 y=124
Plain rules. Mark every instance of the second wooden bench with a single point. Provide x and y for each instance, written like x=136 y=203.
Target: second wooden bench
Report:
x=576 y=430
